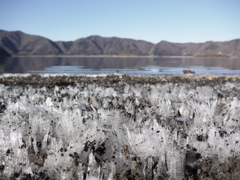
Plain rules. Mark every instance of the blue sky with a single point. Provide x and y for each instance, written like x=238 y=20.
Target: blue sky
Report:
x=152 y=20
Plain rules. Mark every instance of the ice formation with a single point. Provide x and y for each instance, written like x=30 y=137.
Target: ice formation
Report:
x=120 y=130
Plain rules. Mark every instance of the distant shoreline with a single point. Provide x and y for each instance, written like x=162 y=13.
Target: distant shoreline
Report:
x=79 y=56
x=124 y=56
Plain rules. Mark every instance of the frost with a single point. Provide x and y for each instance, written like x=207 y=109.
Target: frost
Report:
x=93 y=131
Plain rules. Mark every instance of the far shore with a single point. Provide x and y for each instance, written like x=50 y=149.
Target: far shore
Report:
x=123 y=56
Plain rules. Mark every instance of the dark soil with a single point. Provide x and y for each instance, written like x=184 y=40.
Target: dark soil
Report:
x=51 y=81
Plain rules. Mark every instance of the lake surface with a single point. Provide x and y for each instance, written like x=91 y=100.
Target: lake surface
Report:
x=120 y=65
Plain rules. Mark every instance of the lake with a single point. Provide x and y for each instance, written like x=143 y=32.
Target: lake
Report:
x=120 y=65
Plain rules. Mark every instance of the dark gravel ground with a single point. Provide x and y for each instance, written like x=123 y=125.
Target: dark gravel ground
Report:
x=52 y=81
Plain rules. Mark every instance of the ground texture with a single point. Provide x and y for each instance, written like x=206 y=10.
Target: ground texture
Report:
x=120 y=127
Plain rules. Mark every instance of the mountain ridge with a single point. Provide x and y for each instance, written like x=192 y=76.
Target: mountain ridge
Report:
x=17 y=43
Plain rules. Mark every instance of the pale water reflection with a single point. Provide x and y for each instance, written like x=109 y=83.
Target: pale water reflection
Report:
x=110 y=65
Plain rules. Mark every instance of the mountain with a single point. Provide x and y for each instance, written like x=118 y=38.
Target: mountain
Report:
x=97 y=45
x=19 y=43
x=4 y=53
x=210 y=48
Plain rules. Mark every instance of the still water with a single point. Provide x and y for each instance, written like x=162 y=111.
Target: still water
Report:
x=123 y=65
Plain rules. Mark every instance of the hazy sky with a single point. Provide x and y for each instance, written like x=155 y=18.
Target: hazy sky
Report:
x=152 y=20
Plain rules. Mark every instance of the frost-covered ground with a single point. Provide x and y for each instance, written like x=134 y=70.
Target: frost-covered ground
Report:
x=120 y=127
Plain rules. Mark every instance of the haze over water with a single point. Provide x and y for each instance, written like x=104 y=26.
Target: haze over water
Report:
x=123 y=65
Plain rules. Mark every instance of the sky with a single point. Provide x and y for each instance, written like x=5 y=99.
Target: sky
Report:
x=152 y=20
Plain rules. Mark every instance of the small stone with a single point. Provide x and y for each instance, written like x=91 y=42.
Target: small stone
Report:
x=188 y=72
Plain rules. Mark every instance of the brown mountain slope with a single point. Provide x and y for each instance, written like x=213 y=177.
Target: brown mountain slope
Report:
x=227 y=48
x=19 y=43
x=4 y=53
x=97 y=45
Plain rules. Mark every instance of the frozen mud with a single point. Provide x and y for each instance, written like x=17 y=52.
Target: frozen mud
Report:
x=120 y=127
